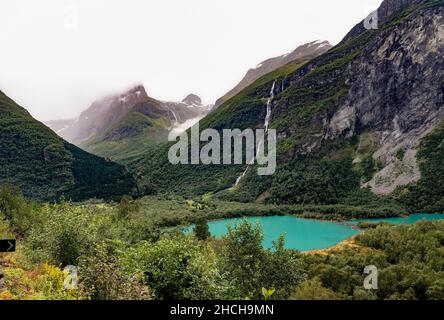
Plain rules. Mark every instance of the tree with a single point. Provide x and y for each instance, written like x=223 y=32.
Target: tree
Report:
x=127 y=206
x=178 y=268
x=103 y=277
x=313 y=290
x=15 y=208
x=244 y=257
x=201 y=229
x=66 y=233
x=11 y=201
x=282 y=270
x=252 y=267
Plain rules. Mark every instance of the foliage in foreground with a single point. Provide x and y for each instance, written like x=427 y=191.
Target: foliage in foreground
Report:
x=410 y=262
x=124 y=251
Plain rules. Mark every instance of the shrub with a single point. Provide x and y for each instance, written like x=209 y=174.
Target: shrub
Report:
x=128 y=206
x=282 y=270
x=252 y=267
x=16 y=209
x=103 y=277
x=313 y=290
x=67 y=233
x=244 y=257
x=179 y=268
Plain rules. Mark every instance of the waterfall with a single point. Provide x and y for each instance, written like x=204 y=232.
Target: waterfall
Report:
x=269 y=102
x=238 y=180
x=174 y=115
x=266 y=124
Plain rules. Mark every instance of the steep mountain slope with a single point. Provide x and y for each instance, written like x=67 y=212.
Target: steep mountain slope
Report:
x=123 y=126
x=46 y=167
x=101 y=118
x=301 y=54
x=354 y=117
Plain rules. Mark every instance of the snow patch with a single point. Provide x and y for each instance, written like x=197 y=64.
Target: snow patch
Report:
x=62 y=129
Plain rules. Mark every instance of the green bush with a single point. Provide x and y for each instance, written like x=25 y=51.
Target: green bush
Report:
x=66 y=233
x=252 y=267
x=409 y=259
x=21 y=213
x=102 y=277
x=179 y=268
x=313 y=290
x=128 y=206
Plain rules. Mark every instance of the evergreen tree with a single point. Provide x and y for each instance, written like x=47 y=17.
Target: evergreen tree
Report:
x=201 y=230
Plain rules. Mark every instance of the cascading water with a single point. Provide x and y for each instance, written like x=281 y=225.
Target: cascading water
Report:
x=174 y=115
x=266 y=124
x=269 y=102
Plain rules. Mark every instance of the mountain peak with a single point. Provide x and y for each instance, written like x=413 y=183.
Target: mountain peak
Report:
x=137 y=91
x=192 y=99
x=318 y=43
x=385 y=12
x=301 y=54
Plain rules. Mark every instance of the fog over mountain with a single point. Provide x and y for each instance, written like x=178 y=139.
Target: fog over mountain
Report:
x=61 y=55
x=100 y=119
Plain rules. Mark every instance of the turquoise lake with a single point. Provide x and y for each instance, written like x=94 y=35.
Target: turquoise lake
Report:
x=307 y=234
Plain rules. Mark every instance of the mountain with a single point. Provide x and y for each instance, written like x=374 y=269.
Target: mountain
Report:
x=192 y=100
x=123 y=126
x=58 y=126
x=46 y=167
x=301 y=54
x=102 y=118
x=361 y=123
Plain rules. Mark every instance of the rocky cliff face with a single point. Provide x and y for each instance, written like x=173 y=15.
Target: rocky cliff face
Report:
x=397 y=93
x=356 y=116
x=192 y=99
x=108 y=111
x=385 y=12
x=393 y=99
x=99 y=115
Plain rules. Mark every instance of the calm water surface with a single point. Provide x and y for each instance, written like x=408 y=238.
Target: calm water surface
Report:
x=307 y=234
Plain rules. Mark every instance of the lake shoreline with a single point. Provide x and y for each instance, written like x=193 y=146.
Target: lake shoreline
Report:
x=308 y=234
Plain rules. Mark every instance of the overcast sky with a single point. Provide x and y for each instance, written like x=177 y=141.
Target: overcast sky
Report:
x=58 y=56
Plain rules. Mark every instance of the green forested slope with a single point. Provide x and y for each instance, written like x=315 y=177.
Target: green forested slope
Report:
x=46 y=167
x=306 y=96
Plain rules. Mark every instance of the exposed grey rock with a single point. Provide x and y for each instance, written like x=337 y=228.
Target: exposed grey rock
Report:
x=397 y=91
x=300 y=54
x=192 y=99
x=385 y=12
